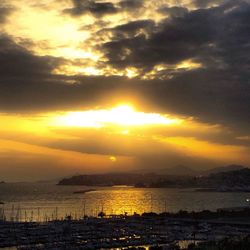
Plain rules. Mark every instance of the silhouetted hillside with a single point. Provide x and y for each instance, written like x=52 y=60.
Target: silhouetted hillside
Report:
x=109 y=179
x=237 y=180
x=232 y=167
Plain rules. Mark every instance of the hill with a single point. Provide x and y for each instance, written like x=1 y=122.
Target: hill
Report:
x=229 y=181
x=109 y=179
x=228 y=168
x=237 y=180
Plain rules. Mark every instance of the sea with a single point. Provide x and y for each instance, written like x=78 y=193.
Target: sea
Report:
x=46 y=201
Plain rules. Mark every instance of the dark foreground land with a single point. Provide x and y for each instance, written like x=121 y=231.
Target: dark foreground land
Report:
x=210 y=230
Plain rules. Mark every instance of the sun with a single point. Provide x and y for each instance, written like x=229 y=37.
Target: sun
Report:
x=123 y=115
x=123 y=108
x=113 y=158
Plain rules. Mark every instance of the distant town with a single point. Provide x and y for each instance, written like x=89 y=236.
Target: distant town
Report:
x=233 y=178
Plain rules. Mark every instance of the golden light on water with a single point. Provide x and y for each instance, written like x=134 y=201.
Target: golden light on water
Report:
x=122 y=115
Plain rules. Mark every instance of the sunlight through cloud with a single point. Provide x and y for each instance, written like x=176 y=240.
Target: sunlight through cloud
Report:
x=123 y=115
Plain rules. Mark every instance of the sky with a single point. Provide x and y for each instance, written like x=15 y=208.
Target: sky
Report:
x=90 y=86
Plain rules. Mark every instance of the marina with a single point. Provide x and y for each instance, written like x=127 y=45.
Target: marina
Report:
x=117 y=232
x=38 y=216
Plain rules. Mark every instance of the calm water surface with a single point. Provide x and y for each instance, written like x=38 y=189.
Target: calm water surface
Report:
x=37 y=201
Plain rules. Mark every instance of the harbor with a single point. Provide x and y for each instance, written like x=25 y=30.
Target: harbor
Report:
x=34 y=217
x=167 y=231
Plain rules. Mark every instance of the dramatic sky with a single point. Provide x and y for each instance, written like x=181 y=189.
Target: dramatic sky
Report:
x=92 y=86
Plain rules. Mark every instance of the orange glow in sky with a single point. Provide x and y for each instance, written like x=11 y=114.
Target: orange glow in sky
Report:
x=122 y=115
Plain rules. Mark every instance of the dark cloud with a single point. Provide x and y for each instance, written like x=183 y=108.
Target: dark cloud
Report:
x=206 y=3
x=134 y=26
x=173 y=11
x=203 y=34
x=4 y=12
x=170 y=42
x=81 y=7
x=211 y=95
x=218 y=38
x=16 y=61
x=130 y=30
x=27 y=82
x=217 y=93
x=131 y=4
